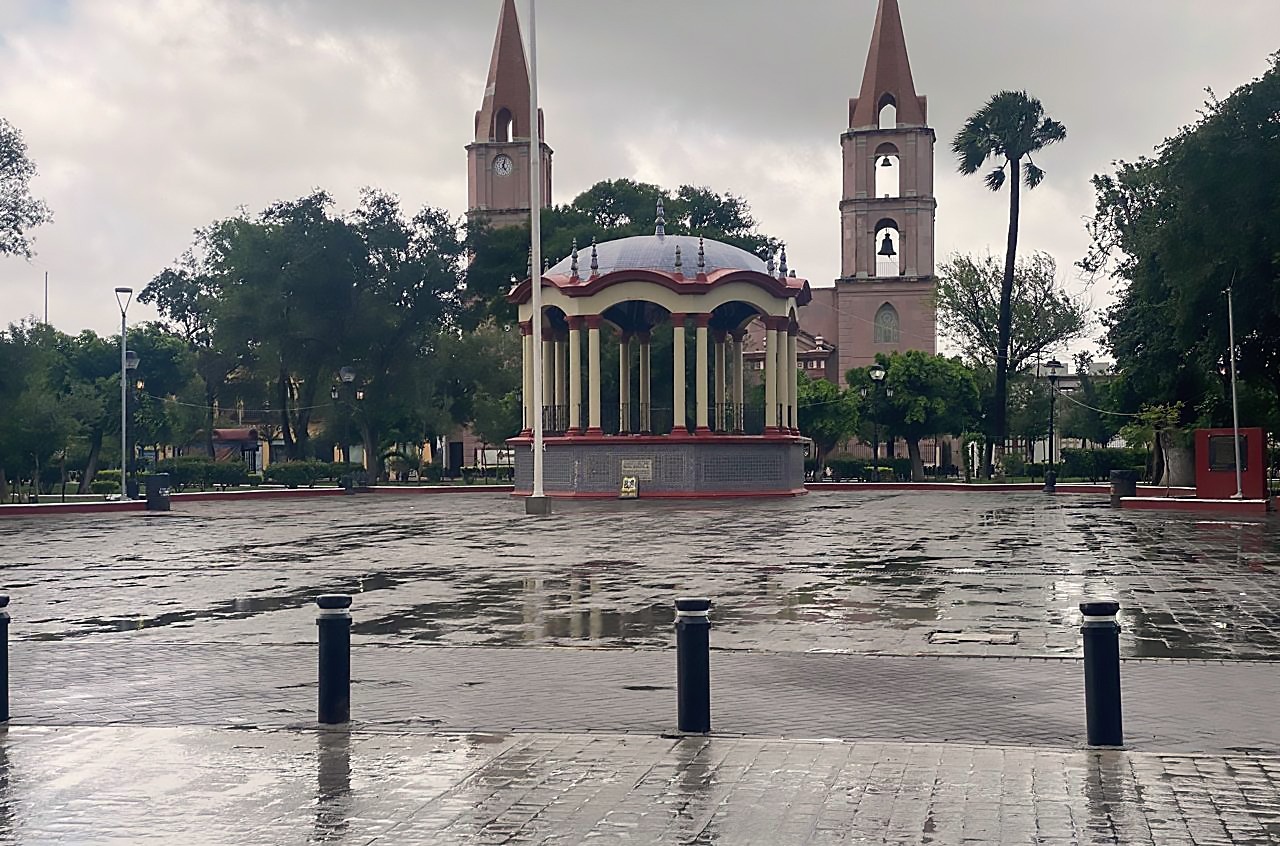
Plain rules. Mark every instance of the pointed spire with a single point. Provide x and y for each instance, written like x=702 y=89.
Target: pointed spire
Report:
x=782 y=265
x=769 y=266
x=679 y=264
x=506 y=93
x=546 y=265
x=528 y=267
x=791 y=275
x=660 y=227
x=702 y=257
x=595 y=261
x=887 y=74
x=573 y=263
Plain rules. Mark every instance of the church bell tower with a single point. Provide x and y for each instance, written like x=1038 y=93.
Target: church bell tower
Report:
x=498 y=159
x=886 y=289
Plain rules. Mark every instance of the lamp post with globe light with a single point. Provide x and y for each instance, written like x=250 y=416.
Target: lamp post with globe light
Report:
x=877 y=374
x=1052 y=371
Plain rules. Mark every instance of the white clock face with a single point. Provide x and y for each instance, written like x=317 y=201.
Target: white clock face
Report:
x=502 y=165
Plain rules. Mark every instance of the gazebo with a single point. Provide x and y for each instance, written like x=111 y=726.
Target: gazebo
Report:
x=625 y=293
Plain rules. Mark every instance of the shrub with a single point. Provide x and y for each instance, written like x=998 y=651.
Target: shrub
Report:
x=431 y=473
x=228 y=473
x=190 y=471
x=108 y=475
x=1097 y=464
x=293 y=474
x=99 y=486
x=1015 y=464
x=254 y=479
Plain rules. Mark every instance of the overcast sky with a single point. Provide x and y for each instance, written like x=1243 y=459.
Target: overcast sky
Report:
x=149 y=118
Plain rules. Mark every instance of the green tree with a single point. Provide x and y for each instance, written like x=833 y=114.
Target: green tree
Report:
x=19 y=211
x=1011 y=127
x=42 y=410
x=932 y=395
x=827 y=414
x=1044 y=315
x=1180 y=228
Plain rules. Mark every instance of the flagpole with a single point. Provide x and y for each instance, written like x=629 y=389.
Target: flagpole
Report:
x=1235 y=408
x=537 y=502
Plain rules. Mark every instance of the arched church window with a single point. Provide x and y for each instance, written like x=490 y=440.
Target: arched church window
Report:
x=887 y=327
x=888 y=112
x=503 y=126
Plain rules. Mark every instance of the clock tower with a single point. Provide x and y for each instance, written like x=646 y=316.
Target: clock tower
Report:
x=498 y=159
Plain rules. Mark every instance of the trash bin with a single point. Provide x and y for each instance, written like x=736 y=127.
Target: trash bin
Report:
x=1123 y=483
x=158 y=492
x=131 y=487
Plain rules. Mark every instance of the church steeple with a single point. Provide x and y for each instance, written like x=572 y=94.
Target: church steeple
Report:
x=498 y=159
x=504 y=113
x=887 y=77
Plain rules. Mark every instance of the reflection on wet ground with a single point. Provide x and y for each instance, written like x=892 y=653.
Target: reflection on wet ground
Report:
x=897 y=572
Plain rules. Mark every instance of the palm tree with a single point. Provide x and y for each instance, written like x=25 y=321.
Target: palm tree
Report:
x=1009 y=128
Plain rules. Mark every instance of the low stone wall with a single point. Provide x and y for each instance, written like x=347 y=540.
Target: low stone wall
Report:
x=687 y=468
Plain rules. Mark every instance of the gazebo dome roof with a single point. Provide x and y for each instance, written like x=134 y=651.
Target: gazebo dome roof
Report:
x=658 y=253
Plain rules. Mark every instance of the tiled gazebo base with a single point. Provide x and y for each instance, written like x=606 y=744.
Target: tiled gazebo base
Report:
x=670 y=467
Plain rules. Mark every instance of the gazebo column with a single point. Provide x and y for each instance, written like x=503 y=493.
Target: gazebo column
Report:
x=561 y=417
x=548 y=377
x=677 y=377
x=526 y=356
x=721 y=349
x=770 y=375
x=575 y=373
x=624 y=384
x=646 y=419
x=739 y=380
x=593 y=374
x=793 y=376
x=700 y=372
x=784 y=379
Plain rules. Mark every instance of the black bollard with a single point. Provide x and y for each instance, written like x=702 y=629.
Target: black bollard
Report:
x=693 y=665
x=334 y=696
x=4 y=658
x=1102 y=672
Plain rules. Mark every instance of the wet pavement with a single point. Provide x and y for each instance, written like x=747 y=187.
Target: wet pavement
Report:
x=894 y=573
x=251 y=787
x=896 y=667
x=1169 y=706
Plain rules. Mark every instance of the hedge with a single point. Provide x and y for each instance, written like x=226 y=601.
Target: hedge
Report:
x=1097 y=464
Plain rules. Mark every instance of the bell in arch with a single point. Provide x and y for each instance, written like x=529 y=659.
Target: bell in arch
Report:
x=886 y=247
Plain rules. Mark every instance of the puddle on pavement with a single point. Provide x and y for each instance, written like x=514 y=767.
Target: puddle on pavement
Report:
x=995 y=573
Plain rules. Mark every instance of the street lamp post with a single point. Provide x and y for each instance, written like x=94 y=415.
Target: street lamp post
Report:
x=123 y=297
x=877 y=374
x=1053 y=371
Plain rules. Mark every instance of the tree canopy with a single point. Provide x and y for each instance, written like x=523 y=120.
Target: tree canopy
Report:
x=931 y=395
x=19 y=211
x=1045 y=316
x=1180 y=228
x=607 y=210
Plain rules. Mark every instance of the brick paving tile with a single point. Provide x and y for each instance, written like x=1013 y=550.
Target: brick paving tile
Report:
x=1169 y=706
x=101 y=785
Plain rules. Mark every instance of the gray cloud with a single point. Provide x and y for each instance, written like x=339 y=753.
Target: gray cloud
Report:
x=149 y=118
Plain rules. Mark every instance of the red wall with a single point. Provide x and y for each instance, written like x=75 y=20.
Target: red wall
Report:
x=1221 y=484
